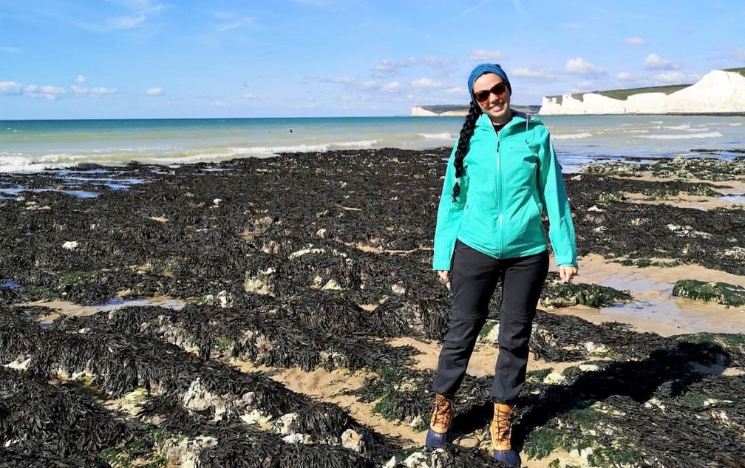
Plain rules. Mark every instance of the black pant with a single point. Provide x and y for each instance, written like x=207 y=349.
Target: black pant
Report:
x=473 y=281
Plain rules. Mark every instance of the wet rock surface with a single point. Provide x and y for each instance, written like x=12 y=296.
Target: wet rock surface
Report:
x=317 y=261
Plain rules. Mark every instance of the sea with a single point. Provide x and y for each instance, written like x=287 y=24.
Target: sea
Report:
x=36 y=145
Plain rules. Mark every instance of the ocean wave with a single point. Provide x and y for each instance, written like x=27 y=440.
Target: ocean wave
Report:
x=438 y=136
x=685 y=136
x=261 y=150
x=735 y=124
x=572 y=136
x=359 y=144
x=27 y=165
x=687 y=128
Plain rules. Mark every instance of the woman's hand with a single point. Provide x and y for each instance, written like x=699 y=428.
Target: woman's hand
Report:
x=567 y=272
x=443 y=276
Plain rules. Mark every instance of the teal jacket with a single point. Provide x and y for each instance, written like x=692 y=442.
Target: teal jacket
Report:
x=509 y=180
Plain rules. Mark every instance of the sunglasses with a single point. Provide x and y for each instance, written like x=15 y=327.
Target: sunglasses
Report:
x=498 y=90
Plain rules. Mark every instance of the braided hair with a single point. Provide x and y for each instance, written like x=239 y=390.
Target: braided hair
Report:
x=464 y=141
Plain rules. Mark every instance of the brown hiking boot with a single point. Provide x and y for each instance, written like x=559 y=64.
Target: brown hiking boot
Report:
x=501 y=433
x=442 y=418
x=501 y=427
x=442 y=414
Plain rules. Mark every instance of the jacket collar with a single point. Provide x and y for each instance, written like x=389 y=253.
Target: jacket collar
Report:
x=519 y=122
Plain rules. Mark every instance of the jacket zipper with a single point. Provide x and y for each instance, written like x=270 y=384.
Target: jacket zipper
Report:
x=500 y=237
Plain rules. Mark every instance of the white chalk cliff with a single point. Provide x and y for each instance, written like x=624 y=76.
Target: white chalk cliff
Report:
x=719 y=92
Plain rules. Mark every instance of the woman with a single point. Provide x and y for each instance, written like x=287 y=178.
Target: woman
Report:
x=502 y=174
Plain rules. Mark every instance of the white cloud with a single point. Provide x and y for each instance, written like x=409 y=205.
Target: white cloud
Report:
x=343 y=79
x=457 y=90
x=655 y=62
x=10 y=87
x=391 y=67
x=346 y=98
x=368 y=85
x=481 y=55
x=624 y=76
x=78 y=90
x=50 y=93
x=237 y=23
x=155 y=92
x=634 y=41
x=435 y=62
x=468 y=10
x=10 y=50
x=580 y=66
x=250 y=96
x=102 y=91
x=392 y=87
x=426 y=83
x=80 y=79
x=674 y=77
x=46 y=89
x=528 y=73
x=126 y=22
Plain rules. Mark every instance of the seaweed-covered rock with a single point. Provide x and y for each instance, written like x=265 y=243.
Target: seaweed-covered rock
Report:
x=721 y=293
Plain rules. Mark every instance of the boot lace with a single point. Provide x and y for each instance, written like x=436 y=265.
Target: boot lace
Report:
x=441 y=413
x=503 y=425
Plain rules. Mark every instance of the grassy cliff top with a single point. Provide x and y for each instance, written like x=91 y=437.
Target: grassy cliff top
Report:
x=736 y=70
x=623 y=94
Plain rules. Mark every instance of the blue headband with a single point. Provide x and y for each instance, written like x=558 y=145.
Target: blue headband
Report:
x=483 y=69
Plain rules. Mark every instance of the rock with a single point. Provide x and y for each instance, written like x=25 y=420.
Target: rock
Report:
x=256 y=417
x=554 y=378
x=596 y=350
x=287 y=424
x=70 y=245
x=298 y=439
x=390 y=463
x=259 y=284
x=185 y=453
x=331 y=285
x=352 y=441
x=722 y=293
x=198 y=398
x=226 y=299
x=321 y=233
x=416 y=460
x=398 y=288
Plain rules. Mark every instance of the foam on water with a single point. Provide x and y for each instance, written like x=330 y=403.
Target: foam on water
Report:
x=572 y=136
x=685 y=136
x=438 y=136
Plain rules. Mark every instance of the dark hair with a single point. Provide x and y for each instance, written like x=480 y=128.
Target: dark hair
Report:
x=464 y=141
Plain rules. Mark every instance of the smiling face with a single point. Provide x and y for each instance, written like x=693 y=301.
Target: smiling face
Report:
x=496 y=106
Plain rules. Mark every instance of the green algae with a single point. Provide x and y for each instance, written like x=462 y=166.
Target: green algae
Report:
x=590 y=295
x=721 y=293
x=486 y=329
x=538 y=375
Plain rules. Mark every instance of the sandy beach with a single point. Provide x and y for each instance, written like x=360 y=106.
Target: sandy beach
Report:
x=285 y=309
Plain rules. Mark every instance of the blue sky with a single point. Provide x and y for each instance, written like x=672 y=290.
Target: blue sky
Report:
x=64 y=59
